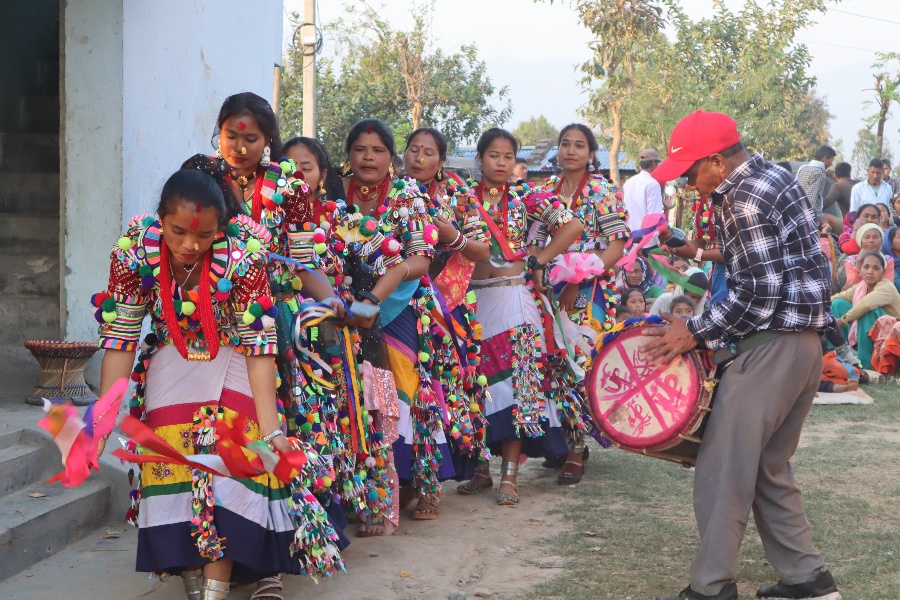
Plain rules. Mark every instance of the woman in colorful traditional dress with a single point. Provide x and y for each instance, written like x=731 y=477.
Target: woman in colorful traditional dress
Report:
x=589 y=299
x=207 y=362
x=320 y=405
x=462 y=242
x=520 y=415
x=388 y=237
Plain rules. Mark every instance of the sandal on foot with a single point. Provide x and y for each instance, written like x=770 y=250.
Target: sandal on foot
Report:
x=374 y=529
x=554 y=462
x=470 y=487
x=570 y=478
x=508 y=469
x=268 y=588
x=426 y=510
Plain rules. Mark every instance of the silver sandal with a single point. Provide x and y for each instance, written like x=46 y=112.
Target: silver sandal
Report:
x=508 y=468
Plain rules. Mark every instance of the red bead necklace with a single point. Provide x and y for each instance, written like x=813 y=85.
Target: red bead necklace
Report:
x=204 y=305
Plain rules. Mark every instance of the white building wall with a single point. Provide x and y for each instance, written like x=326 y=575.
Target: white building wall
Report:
x=91 y=155
x=182 y=59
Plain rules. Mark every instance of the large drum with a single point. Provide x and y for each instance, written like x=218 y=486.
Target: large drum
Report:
x=646 y=407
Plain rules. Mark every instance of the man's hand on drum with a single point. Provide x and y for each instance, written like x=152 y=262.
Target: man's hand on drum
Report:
x=671 y=341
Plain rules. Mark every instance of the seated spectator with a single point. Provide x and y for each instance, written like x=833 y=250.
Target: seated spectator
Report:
x=696 y=277
x=858 y=307
x=867 y=213
x=681 y=265
x=873 y=190
x=633 y=301
x=838 y=376
x=839 y=194
x=869 y=238
x=637 y=275
x=895 y=208
x=885 y=220
x=682 y=307
x=829 y=249
x=891 y=248
x=885 y=334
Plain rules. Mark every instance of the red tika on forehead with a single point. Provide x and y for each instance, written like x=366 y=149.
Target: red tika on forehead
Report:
x=195 y=222
x=369 y=129
x=241 y=126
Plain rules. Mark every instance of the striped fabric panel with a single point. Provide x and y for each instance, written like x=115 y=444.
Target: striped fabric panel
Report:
x=125 y=332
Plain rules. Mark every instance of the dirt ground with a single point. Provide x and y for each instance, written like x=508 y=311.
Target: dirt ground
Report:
x=474 y=547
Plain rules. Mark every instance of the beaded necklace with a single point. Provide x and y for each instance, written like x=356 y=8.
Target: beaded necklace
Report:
x=579 y=191
x=503 y=223
x=207 y=319
x=380 y=196
x=703 y=222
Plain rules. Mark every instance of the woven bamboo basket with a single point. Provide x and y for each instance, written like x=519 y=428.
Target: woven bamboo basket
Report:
x=62 y=370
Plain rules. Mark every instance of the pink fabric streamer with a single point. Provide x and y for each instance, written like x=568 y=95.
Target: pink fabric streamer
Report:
x=576 y=267
x=78 y=438
x=652 y=223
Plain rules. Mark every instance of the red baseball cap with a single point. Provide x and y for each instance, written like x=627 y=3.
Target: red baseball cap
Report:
x=696 y=136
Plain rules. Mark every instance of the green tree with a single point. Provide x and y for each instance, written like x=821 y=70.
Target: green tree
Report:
x=397 y=76
x=886 y=72
x=865 y=149
x=534 y=130
x=746 y=64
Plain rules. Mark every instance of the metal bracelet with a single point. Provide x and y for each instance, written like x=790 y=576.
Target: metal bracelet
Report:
x=273 y=435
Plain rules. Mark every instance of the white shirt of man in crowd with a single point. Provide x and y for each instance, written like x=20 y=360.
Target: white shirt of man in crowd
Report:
x=643 y=194
x=871 y=191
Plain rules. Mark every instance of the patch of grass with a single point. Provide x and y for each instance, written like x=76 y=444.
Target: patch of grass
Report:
x=632 y=532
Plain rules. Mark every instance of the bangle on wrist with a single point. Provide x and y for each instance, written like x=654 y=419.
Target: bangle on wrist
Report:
x=406 y=273
x=699 y=256
x=272 y=435
x=364 y=295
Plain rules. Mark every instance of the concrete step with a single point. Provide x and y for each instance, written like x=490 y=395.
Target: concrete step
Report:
x=29 y=152
x=27 y=234
x=47 y=77
x=19 y=371
x=29 y=318
x=29 y=193
x=25 y=458
x=39 y=113
x=24 y=275
x=31 y=529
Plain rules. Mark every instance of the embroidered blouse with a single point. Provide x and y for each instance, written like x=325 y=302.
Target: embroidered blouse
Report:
x=598 y=205
x=238 y=285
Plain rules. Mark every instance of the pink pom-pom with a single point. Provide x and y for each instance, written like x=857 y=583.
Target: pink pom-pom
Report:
x=319 y=237
x=431 y=234
x=382 y=210
x=619 y=195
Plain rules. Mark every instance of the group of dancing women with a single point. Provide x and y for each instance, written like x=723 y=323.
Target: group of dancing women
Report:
x=396 y=327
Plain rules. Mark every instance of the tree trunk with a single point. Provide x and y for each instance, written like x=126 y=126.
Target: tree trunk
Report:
x=882 y=117
x=616 y=144
x=416 y=114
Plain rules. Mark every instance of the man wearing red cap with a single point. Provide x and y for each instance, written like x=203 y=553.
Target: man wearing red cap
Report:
x=769 y=368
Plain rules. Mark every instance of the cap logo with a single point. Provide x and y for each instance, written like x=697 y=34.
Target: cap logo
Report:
x=674 y=150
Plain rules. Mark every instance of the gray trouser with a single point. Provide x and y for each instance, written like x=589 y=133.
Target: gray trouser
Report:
x=743 y=463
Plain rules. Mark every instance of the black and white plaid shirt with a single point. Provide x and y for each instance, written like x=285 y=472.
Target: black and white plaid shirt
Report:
x=777 y=275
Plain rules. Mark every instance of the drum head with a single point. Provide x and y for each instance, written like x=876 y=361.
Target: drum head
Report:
x=638 y=403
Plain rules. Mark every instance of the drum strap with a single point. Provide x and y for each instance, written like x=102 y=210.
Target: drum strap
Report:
x=731 y=351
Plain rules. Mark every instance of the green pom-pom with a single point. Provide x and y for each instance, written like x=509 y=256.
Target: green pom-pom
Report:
x=109 y=305
x=124 y=243
x=253 y=245
x=285 y=167
x=399 y=184
x=482 y=380
x=177 y=304
x=470 y=297
x=426 y=320
x=188 y=308
x=320 y=248
x=248 y=318
x=109 y=317
x=306 y=427
x=146 y=271
x=256 y=310
x=232 y=230
x=424 y=356
x=147 y=221
x=277 y=197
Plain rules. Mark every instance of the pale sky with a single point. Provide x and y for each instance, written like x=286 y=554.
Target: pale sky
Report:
x=535 y=49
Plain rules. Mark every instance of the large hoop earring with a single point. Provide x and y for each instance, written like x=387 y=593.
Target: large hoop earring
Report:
x=266 y=157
